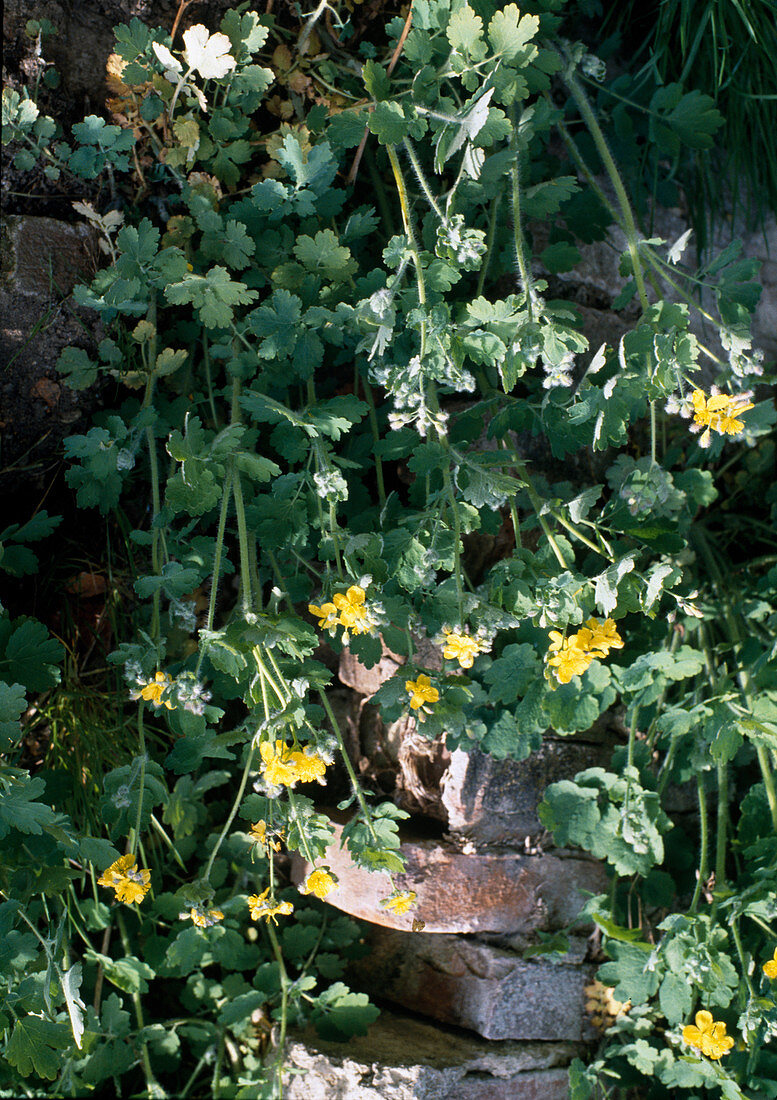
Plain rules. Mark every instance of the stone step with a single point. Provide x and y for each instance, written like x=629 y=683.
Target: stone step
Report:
x=477 y=986
x=460 y=891
x=404 y=1058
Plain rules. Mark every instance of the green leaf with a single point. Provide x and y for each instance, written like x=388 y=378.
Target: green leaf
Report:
x=340 y=1014
x=18 y=806
x=324 y=255
x=507 y=738
x=388 y=123
x=376 y=80
x=29 y=655
x=511 y=674
x=510 y=33
x=130 y=975
x=570 y=812
x=633 y=973
x=212 y=295
x=77 y=369
x=32 y=1046
x=561 y=256
x=465 y=33
x=675 y=997
x=13 y=703
x=546 y=198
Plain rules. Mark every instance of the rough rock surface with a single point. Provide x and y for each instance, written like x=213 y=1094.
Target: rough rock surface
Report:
x=477 y=986
x=404 y=1058
x=465 y=892
x=42 y=259
x=492 y=801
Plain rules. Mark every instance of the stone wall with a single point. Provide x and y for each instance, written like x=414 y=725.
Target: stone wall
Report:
x=466 y=1014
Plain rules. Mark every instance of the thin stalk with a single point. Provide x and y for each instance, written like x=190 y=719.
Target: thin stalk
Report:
x=630 y=226
x=162 y=832
x=153 y=1088
x=399 y=179
x=376 y=439
x=232 y=812
x=456 y=543
x=520 y=243
x=214 y=584
x=704 y=841
x=411 y=156
x=492 y=219
x=722 y=826
x=348 y=765
x=335 y=539
x=135 y=835
x=284 y=980
x=242 y=535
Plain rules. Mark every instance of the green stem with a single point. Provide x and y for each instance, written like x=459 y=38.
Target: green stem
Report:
x=348 y=766
x=335 y=539
x=411 y=156
x=653 y=432
x=630 y=227
x=722 y=827
x=492 y=219
x=232 y=812
x=242 y=535
x=284 y=980
x=214 y=584
x=399 y=179
x=153 y=1088
x=135 y=836
x=456 y=543
x=520 y=243
x=704 y=841
x=376 y=439
x=740 y=951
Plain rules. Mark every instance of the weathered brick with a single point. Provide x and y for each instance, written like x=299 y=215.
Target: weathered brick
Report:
x=457 y=891
x=492 y=992
x=493 y=801
x=403 y=1058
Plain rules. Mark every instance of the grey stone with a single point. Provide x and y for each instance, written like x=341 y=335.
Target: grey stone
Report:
x=492 y=992
x=491 y=801
x=403 y=1058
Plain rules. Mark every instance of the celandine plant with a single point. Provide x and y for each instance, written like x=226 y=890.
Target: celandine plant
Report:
x=282 y=348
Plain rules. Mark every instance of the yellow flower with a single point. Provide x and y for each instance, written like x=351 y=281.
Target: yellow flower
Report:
x=203 y=918
x=326 y=615
x=320 y=883
x=708 y=1036
x=718 y=413
x=603 y=637
x=399 y=902
x=770 y=967
x=259 y=834
x=569 y=658
x=123 y=876
x=260 y=907
x=278 y=768
x=308 y=767
x=155 y=689
x=602 y=1006
x=461 y=647
x=421 y=691
x=353 y=614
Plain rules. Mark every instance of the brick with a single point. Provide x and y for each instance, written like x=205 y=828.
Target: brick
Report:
x=462 y=891
x=493 y=801
x=404 y=1058
x=492 y=992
